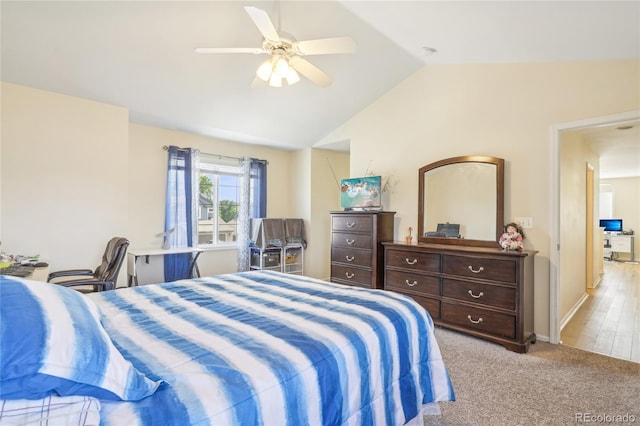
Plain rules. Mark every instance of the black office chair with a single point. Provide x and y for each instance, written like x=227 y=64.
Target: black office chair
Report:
x=104 y=277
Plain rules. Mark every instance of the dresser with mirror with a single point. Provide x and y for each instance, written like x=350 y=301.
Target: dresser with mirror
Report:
x=464 y=279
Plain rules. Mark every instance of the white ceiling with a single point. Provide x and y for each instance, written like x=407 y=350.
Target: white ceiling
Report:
x=618 y=146
x=139 y=54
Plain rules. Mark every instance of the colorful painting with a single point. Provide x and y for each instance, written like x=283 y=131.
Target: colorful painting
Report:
x=363 y=192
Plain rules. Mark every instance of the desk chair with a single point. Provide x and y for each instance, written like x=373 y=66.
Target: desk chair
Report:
x=104 y=277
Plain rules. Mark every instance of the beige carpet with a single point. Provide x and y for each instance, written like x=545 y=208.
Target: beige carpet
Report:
x=550 y=385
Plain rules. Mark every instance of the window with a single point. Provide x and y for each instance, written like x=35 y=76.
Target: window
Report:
x=219 y=200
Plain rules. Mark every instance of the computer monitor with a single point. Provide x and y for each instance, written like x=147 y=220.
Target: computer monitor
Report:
x=450 y=230
x=611 y=225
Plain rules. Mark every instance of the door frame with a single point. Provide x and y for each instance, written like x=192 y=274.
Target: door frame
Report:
x=555 y=261
x=590 y=223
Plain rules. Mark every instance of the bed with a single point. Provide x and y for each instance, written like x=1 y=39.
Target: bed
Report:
x=249 y=348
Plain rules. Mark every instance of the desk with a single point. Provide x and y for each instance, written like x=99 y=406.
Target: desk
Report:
x=37 y=274
x=133 y=255
x=618 y=243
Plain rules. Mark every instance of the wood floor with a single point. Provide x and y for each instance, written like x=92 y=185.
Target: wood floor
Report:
x=609 y=321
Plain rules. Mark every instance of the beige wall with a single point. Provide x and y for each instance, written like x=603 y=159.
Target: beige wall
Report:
x=327 y=168
x=93 y=175
x=301 y=201
x=574 y=156
x=148 y=171
x=76 y=172
x=65 y=176
x=315 y=193
x=503 y=110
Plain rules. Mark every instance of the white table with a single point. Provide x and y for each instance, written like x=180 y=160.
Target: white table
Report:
x=618 y=243
x=133 y=255
x=38 y=274
x=623 y=244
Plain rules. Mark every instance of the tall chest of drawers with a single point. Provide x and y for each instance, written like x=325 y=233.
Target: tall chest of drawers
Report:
x=357 y=255
x=483 y=292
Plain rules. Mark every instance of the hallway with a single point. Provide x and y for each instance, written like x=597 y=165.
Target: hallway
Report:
x=609 y=320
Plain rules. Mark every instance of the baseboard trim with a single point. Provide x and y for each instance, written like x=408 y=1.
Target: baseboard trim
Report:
x=573 y=311
x=598 y=281
x=542 y=338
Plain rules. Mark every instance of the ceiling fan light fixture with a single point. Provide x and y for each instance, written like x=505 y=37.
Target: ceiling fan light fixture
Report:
x=275 y=80
x=292 y=76
x=281 y=67
x=286 y=51
x=264 y=70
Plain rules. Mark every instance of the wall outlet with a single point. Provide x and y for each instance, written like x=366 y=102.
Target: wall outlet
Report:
x=524 y=222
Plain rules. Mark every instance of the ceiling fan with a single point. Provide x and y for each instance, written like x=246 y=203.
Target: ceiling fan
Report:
x=286 y=59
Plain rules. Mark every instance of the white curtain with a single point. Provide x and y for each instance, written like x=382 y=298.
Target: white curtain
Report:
x=244 y=216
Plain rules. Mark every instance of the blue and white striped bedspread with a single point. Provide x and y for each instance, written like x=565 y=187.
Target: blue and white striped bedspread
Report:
x=265 y=348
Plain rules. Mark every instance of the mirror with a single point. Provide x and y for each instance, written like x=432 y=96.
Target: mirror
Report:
x=461 y=201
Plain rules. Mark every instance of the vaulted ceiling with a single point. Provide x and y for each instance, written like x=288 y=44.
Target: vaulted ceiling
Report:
x=140 y=54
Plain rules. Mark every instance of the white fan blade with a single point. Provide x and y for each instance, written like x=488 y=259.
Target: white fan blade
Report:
x=326 y=46
x=263 y=22
x=310 y=71
x=254 y=50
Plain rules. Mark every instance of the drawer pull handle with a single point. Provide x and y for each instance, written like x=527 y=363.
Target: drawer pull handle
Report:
x=411 y=262
x=351 y=224
x=475 y=322
x=349 y=275
x=476 y=271
x=411 y=284
x=350 y=242
x=350 y=258
x=474 y=296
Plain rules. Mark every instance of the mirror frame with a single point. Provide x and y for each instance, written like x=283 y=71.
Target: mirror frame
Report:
x=499 y=219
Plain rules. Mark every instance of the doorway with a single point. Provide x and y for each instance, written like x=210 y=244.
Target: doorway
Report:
x=555 y=252
x=608 y=322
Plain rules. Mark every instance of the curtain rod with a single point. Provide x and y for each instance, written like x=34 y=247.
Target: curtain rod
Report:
x=166 y=148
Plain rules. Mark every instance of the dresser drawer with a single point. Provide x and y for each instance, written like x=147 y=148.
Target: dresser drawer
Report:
x=351 y=256
x=427 y=262
x=621 y=243
x=352 y=223
x=496 y=323
x=486 y=294
x=415 y=283
x=348 y=275
x=343 y=239
x=431 y=305
x=488 y=269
